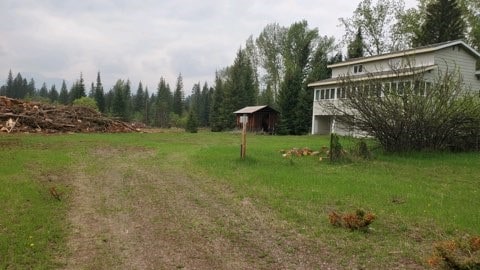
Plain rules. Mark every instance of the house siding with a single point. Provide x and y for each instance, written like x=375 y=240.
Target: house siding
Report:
x=420 y=60
x=456 y=57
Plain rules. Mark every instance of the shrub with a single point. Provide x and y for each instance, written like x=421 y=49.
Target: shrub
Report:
x=86 y=102
x=463 y=253
x=362 y=150
x=358 y=220
x=192 y=122
x=336 y=149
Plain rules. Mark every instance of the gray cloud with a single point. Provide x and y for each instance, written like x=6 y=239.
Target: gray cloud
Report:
x=144 y=40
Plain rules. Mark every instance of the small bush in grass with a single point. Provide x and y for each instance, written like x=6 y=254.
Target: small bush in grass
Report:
x=463 y=253
x=363 y=151
x=358 y=220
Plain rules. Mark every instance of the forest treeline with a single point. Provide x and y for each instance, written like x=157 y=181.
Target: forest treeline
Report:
x=273 y=68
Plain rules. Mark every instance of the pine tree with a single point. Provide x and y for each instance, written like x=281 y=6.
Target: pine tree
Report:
x=217 y=113
x=63 y=96
x=9 y=91
x=78 y=89
x=121 y=99
x=204 y=110
x=443 y=22
x=163 y=104
x=30 y=88
x=178 y=97
x=355 y=48
x=192 y=122
x=53 y=94
x=298 y=49
x=43 y=92
x=99 y=94
x=287 y=101
x=139 y=100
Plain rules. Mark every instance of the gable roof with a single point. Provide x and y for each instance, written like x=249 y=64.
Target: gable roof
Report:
x=418 y=50
x=252 y=109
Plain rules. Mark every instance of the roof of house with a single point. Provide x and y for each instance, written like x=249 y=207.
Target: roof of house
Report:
x=252 y=109
x=418 y=50
x=376 y=75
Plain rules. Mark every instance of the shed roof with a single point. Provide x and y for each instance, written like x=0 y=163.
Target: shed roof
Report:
x=252 y=109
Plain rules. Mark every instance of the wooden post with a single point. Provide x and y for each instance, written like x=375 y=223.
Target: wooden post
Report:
x=243 y=150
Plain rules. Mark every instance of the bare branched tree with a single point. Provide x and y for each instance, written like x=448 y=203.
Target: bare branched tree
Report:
x=406 y=112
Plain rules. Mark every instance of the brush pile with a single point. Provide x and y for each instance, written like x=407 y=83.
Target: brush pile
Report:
x=35 y=117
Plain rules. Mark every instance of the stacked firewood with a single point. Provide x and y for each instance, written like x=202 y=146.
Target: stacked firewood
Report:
x=24 y=116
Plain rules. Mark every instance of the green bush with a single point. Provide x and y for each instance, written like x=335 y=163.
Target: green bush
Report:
x=86 y=102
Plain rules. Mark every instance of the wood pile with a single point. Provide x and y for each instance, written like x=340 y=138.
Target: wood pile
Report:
x=299 y=152
x=22 y=116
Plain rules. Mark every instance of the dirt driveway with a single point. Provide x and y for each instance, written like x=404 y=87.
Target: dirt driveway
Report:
x=129 y=213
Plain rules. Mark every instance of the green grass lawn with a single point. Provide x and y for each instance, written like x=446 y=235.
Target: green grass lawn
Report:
x=418 y=198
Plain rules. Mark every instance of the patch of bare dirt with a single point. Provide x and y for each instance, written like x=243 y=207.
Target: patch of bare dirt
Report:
x=128 y=214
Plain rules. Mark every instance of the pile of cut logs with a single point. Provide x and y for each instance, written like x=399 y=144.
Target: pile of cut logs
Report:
x=36 y=117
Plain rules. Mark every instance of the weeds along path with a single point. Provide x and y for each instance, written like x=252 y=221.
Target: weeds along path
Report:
x=131 y=210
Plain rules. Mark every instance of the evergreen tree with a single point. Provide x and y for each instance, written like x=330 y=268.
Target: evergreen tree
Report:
x=287 y=101
x=266 y=97
x=217 y=113
x=43 y=92
x=121 y=99
x=30 y=88
x=109 y=101
x=63 y=97
x=19 y=87
x=204 y=108
x=99 y=94
x=163 y=104
x=178 y=97
x=192 y=122
x=139 y=100
x=91 y=93
x=240 y=89
x=297 y=52
x=355 y=48
x=9 y=91
x=443 y=22
x=78 y=89
x=148 y=105
x=53 y=94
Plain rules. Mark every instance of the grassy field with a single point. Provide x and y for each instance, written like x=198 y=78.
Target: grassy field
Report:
x=418 y=198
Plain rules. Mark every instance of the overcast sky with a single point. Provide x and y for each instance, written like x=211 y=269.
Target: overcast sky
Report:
x=143 y=40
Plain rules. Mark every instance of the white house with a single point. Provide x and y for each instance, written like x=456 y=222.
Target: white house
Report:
x=399 y=66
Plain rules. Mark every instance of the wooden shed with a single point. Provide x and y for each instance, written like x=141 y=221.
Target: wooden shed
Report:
x=260 y=118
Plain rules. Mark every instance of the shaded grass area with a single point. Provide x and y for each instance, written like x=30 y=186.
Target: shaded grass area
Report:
x=418 y=198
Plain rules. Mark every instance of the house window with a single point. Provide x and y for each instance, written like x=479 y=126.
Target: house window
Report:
x=428 y=87
x=419 y=88
x=401 y=88
x=386 y=88
x=341 y=93
x=357 y=69
x=317 y=94
x=326 y=94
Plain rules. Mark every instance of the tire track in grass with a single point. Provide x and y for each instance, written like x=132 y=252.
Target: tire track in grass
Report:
x=128 y=214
